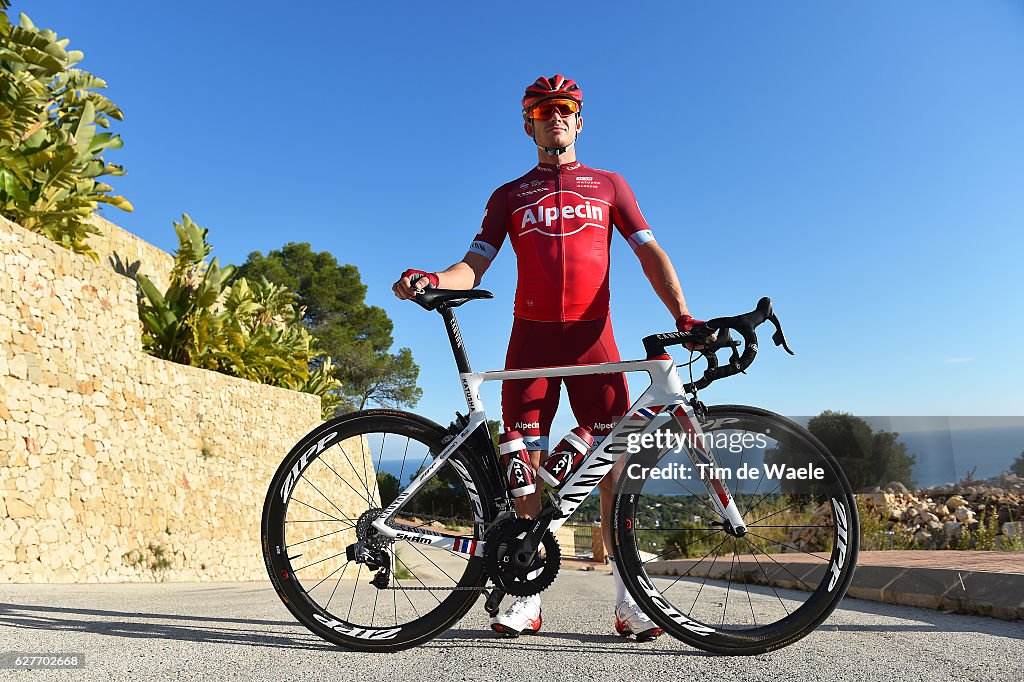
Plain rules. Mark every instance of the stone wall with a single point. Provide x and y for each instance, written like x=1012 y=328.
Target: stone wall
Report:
x=114 y=465
x=125 y=253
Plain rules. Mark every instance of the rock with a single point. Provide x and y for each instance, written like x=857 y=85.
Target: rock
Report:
x=955 y=502
x=964 y=514
x=897 y=487
x=1013 y=529
x=19 y=509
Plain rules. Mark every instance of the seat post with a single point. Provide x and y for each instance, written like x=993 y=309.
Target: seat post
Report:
x=455 y=338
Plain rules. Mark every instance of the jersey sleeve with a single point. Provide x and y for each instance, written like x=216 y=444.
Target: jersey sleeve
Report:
x=495 y=226
x=627 y=217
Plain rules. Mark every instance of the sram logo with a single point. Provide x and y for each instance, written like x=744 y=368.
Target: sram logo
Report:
x=842 y=528
x=414 y=538
x=300 y=466
x=352 y=631
x=671 y=611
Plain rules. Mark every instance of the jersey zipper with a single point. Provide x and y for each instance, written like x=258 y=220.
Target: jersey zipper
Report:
x=561 y=236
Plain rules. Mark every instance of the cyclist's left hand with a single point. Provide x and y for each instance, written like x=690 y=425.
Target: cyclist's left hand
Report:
x=687 y=323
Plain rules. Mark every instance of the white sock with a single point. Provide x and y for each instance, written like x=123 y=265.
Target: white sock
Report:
x=531 y=575
x=620 y=587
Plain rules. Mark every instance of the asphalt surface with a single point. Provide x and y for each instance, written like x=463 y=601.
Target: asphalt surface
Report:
x=241 y=631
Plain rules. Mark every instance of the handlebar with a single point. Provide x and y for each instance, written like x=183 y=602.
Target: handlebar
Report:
x=443 y=300
x=744 y=324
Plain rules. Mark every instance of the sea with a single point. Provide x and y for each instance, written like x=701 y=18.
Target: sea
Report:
x=947 y=449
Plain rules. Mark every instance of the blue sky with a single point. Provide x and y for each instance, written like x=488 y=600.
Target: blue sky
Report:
x=861 y=164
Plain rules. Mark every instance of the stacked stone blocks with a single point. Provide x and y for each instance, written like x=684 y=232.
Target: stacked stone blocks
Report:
x=115 y=465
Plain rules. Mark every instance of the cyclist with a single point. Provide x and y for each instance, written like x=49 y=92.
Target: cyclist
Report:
x=558 y=218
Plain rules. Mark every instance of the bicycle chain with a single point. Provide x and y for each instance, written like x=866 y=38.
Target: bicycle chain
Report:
x=455 y=589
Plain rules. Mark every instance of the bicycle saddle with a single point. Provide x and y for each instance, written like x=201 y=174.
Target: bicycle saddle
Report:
x=432 y=299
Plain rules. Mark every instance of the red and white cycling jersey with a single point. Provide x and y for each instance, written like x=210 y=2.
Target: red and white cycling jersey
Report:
x=558 y=219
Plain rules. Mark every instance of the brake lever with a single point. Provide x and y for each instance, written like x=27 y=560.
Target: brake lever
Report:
x=778 y=337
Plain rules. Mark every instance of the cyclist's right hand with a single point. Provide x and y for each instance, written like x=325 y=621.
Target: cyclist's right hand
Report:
x=412 y=282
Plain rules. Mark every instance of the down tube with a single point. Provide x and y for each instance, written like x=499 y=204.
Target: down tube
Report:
x=599 y=463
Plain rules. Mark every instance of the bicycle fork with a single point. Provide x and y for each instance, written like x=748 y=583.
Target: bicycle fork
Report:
x=703 y=458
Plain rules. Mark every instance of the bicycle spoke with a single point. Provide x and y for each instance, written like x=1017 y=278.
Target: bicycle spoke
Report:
x=423 y=461
x=310 y=483
x=399 y=559
x=433 y=562
x=336 y=584
x=745 y=588
x=333 y=518
x=699 y=499
x=406 y=594
x=354 y=474
x=773 y=514
x=797 y=549
x=706 y=575
x=767 y=495
x=694 y=528
x=319 y=561
x=758 y=526
x=728 y=586
x=405 y=456
x=799 y=580
x=366 y=479
x=753 y=494
x=678 y=578
x=376 y=473
x=767 y=579
x=355 y=585
x=327 y=577
x=692 y=543
x=333 y=532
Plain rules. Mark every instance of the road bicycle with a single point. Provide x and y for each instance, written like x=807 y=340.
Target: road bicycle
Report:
x=727 y=570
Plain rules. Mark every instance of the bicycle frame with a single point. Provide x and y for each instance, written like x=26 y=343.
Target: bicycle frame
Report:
x=664 y=396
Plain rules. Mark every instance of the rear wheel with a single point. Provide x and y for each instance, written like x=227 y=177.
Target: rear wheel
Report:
x=325 y=495
x=728 y=592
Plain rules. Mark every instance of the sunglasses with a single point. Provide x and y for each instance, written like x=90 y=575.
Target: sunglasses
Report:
x=564 y=108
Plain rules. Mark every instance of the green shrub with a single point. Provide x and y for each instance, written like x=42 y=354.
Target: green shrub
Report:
x=248 y=329
x=50 y=151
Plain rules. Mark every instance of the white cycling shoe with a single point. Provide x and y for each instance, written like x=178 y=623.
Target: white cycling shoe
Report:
x=522 y=617
x=630 y=620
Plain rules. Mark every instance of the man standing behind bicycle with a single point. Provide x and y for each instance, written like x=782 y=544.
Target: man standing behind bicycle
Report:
x=558 y=218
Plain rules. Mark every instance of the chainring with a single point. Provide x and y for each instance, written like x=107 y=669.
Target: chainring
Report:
x=507 y=570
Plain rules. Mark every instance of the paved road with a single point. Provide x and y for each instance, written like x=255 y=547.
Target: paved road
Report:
x=240 y=631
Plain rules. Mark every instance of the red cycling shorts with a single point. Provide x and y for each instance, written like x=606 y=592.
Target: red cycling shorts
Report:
x=597 y=400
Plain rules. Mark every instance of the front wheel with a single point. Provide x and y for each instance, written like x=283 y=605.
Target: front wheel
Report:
x=323 y=498
x=730 y=592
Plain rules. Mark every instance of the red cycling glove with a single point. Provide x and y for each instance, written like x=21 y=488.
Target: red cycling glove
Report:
x=685 y=323
x=415 y=275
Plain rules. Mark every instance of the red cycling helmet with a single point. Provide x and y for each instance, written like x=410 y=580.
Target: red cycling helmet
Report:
x=556 y=87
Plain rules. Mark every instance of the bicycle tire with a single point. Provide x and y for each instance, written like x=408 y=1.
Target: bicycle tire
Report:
x=840 y=530
x=280 y=516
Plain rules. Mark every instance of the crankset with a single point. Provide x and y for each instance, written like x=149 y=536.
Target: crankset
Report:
x=515 y=564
